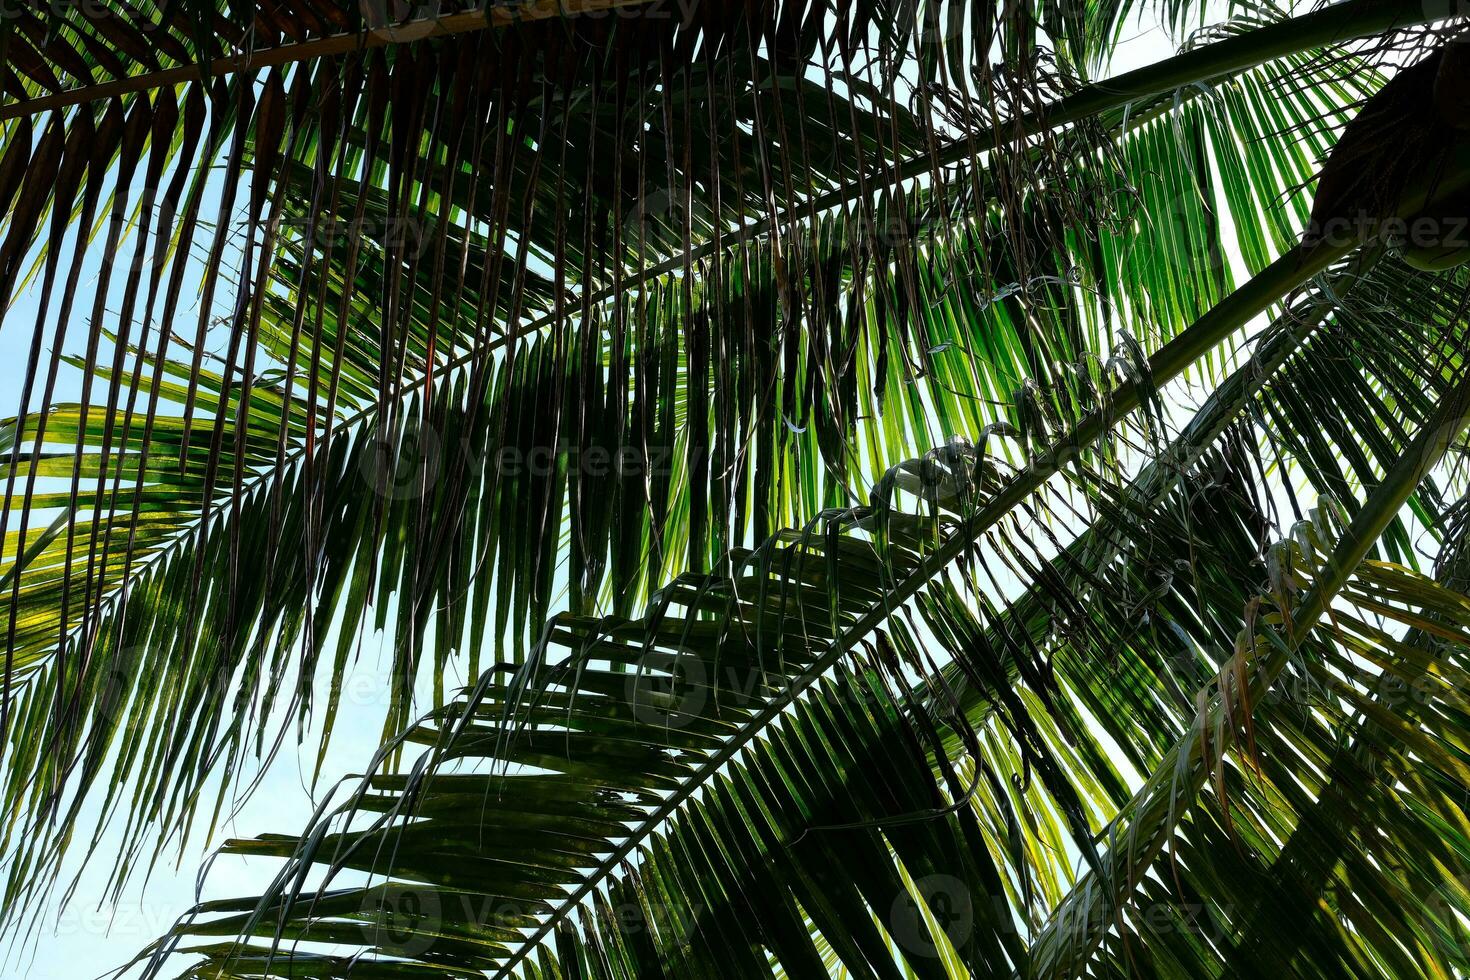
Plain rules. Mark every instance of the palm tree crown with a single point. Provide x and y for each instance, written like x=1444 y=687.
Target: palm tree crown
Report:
x=850 y=489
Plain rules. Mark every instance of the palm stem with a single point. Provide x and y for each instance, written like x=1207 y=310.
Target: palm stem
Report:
x=1230 y=315
x=1281 y=904
x=323 y=47
x=1208 y=62
x=1162 y=474
x=1082 y=919
x=1336 y=23
x=1341 y=22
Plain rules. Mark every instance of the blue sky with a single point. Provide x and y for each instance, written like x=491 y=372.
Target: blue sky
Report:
x=89 y=936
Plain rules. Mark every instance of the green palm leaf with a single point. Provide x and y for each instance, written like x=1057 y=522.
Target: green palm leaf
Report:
x=192 y=547
x=456 y=273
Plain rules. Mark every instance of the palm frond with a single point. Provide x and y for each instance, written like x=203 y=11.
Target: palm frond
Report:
x=1402 y=481
x=746 y=871
x=618 y=236
x=322 y=420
